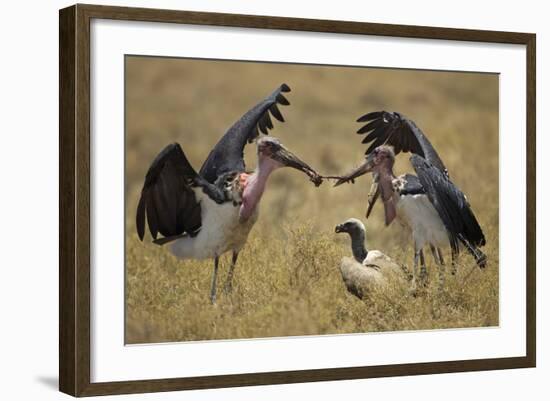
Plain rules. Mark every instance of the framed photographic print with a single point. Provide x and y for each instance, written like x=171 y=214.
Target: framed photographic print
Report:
x=250 y=200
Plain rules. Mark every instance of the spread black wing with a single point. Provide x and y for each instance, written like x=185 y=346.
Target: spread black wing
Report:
x=227 y=155
x=392 y=128
x=450 y=203
x=168 y=199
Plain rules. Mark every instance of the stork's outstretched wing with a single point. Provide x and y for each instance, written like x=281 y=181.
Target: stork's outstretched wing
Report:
x=168 y=197
x=227 y=155
x=392 y=128
x=450 y=203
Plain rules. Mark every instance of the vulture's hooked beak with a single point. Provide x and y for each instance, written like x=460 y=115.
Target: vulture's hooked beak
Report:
x=339 y=228
x=289 y=159
x=366 y=167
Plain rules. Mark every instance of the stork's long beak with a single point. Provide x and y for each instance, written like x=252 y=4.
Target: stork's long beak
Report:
x=364 y=168
x=289 y=159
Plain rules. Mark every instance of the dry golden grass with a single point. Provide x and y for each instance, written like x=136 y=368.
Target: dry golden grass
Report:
x=287 y=280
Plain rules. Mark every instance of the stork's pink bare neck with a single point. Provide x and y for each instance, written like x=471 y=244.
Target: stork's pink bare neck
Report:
x=385 y=178
x=255 y=185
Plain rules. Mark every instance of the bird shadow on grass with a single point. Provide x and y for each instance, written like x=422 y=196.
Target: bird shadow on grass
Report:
x=52 y=382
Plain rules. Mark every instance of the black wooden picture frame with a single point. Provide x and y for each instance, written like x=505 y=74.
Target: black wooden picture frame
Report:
x=74 y=204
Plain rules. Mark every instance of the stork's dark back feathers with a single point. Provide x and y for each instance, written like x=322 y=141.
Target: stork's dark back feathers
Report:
x=227 y=155
x=394 y=129
x=450 y=203
x=168 y=199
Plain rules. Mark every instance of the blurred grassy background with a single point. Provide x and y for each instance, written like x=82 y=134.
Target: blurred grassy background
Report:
x=287 y=280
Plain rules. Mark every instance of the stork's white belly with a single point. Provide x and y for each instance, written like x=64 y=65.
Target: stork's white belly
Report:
x=417 y=212
x=221 y=231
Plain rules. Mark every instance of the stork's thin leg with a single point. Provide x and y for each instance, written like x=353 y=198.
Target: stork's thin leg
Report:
x=214 y=276
x=229 y=281
x=439 y=262
x=415 y=265
x=454 y=255
x=423 y=271
x=434 y=253
x=440 y=254
x=415 y=269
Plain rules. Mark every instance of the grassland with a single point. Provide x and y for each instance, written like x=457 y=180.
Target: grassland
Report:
x=287 y=280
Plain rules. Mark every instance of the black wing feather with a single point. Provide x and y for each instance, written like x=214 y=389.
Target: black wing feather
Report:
x=450 y=204
x=282 y=100
x=378 y=132
x=140 y=221
x=370 y=116
x=379 y=141
x=167 y=198
x=392 y=128
x=276 y=112
x=262 y=126
x=370 y=126
x=227 y=155
x=152 y=219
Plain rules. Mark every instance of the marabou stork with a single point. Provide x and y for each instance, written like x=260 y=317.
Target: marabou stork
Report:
x=206 y=214
x=430 y=204
x=367 y=269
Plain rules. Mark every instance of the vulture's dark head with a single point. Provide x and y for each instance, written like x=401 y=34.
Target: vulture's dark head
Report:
x=351 y=226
